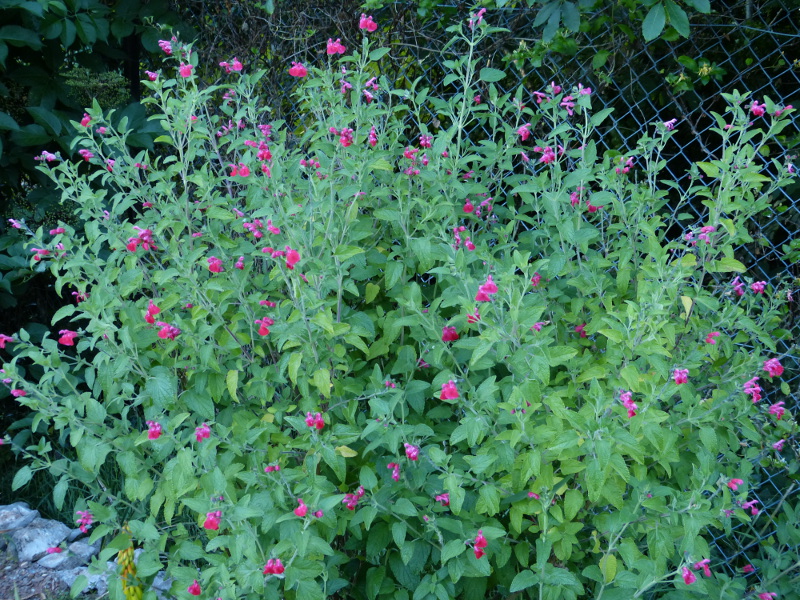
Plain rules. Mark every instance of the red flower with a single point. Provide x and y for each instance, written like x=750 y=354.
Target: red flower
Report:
x=449 y=391
x=366 y=22
x=335 y=47
x=154 y=430
x=298 y=70
x=186 y=71
x=292 y=257
x=301 y=509
x=274 y=566
x=195 y=589
x=479 y=544
x=449 y=334
x=215 y=265
x=773 y=367
x=688 y=576
x=212 y=520
x=67 y=337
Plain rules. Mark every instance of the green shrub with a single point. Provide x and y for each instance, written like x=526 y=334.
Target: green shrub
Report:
x=358 y=357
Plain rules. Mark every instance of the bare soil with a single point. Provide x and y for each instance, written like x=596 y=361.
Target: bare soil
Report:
x=28 y=581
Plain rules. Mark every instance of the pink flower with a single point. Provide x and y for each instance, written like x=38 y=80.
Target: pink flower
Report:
x=315 y=421
x=486 y=290
x=215 y=265
x=212 y=520
x=86 y=120
x=670 y=125
x=767 y=595
x=336 y=47
x=579 y=329
x=366 y=22
x=680 y=376
x=264 y=325
x=18 y=393
x=274 y=566
x=202 y=433
x=186 y=70
x=85 y=520
x=4 y=339
x=758 y=286
x=395 y=470
x=738 y=286
x=779 y=445
x=538 y=325
x=351 y=500
x=757 y=110
x=524 y=132
x=710 y=337
x=301 y=509
x=688 y=576
x=479 y=544
x=627 y=400
x=412 y=452
x=373 y=137
x=752 y=388
x=536 y=279
x=734 y=484
x=773 y=367
x=153 y=430
x=292 y=257
x=473 y=317
x=468 y=207
x=167 y=331
x=67 y=337
x=151 y=75
x=152 y=311
x=239 y=264
x=747 y=569
x=85 y=154
x=534 y=495
x=703 y=564
x=751 y=506
x=449 y=391
x=449 y=334
x=55 y=550
x=298 y=70
x=195 y=589
x=443 y=498
x=777 y=409
x=165 y=46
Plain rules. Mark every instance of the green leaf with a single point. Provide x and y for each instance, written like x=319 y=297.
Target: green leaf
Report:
x=62 y=313
x=232 y=382
x=7 y=123
x=60 y=491
x=22 y=477
x=703 y=6
x=452 y=549
x=371 y=292
x=378 y=53
x=727 y=265
x=523 y=580
x=654 y=22
x=608 y=566
x=490 y=75
x=19 y=36
x=677 y=18
x=80 y=583
x=573 y=501
x=711 y=170
x=294 y=365
x=570 y=16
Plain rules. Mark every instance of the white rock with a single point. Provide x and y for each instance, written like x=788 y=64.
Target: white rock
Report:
x=33 y=540
x=14 y=516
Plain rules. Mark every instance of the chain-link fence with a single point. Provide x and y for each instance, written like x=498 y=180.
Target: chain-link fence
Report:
x=746 y=46
x=752 y=47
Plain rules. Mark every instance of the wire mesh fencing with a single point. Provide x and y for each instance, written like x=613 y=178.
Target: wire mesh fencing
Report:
x=750 y=46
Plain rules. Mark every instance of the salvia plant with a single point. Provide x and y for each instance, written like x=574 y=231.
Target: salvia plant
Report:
x=362 y=356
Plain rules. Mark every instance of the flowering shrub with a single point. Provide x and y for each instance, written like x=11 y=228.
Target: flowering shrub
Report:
x=442 y=369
